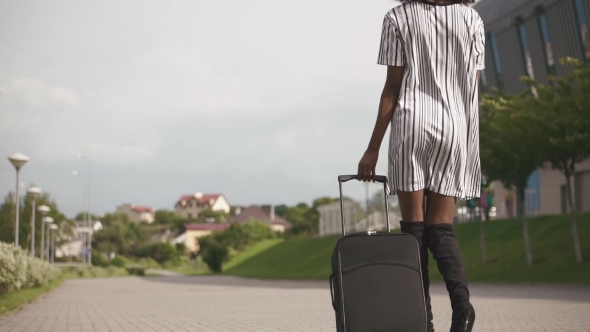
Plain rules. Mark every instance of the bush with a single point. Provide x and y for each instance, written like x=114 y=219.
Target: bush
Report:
x=18 y=270
x=119 y=261
x=215 y=255
x=80 y=271
x=13 y=267
x=98 y=259
x=160 y=252
x=136 y=270
x=148 y=263
x=39 y=272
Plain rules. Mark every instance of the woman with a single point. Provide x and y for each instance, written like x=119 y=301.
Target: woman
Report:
x=434 y=51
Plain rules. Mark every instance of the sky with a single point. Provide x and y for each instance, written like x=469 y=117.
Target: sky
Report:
x=262 y=101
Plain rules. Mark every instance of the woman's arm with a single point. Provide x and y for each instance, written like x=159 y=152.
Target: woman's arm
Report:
x=387 y=105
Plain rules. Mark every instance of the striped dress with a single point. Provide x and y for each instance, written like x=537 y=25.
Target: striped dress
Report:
x=434 y=137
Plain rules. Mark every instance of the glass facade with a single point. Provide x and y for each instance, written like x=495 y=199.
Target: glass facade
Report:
x=544 y=29
x=533 y=193
x=583 y=24
x=526 y=53
x=497 y=62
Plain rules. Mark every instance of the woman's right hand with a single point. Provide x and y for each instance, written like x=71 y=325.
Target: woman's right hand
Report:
x=367 y=165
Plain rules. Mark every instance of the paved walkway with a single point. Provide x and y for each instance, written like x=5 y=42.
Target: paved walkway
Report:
x=229 y=304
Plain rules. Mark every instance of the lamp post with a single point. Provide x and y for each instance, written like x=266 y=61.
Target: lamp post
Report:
x=43 y=247
x=34 y=193
x=43 y=209
x=53 y=227
x=18 y=160
x=89 y=215
x=85 y=195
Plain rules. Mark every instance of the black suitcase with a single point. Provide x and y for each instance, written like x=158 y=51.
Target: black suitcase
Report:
x=376 y=283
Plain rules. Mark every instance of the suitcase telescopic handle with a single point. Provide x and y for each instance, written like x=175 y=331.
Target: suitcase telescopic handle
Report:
x=378 y=178
x=345 y=178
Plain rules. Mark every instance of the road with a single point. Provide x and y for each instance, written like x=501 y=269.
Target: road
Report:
x=231 y=304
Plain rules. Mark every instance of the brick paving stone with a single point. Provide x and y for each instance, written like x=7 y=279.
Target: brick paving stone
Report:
x=231 y=304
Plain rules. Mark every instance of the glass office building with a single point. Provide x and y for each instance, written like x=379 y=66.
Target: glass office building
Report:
x=527 y=38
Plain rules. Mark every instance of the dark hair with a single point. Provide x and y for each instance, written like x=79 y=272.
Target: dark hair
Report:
x=465 y=2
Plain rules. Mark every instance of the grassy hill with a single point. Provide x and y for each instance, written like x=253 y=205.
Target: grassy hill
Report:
x=551 y=242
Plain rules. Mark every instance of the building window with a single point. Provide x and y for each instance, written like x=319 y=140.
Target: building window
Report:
x=583 y=24
x=544 y=29
x=497 y=63
x=526 y=52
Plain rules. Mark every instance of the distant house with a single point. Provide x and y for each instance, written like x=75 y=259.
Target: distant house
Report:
x=264 y=213
x=189 y=206
x=73 y=244
x=195 y=231
x=137 y=213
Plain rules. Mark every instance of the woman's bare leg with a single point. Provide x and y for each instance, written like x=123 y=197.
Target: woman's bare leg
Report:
x=411 y=205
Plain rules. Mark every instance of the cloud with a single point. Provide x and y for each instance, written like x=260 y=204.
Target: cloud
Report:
x=39 y=94
x=190 y=90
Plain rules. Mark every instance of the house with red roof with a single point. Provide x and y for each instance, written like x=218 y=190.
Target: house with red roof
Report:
x=264 y=213
x=137 y=213
x=189 y=206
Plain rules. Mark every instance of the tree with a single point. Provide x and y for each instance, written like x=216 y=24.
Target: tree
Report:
x=509 y=146
x=301 y=220
x=83 y=216
x=209 y=214
x=562 y=111
x=170 y=219
x=119 y=235
x=7 y=217
x=158 y=251
x=215 y=255
x=165 y=217
x=281 y=210
x=305 y=218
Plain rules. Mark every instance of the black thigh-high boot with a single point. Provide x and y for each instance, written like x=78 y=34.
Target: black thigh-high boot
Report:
x=417 y=230
x=447 y=253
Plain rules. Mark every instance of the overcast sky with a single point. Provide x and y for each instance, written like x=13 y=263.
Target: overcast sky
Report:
x=263 y=101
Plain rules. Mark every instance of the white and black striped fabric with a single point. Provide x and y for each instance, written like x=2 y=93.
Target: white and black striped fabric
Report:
x=434 y=140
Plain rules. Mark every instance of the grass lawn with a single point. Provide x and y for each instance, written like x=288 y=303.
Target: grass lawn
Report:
x=14 y=299
x=551 y=242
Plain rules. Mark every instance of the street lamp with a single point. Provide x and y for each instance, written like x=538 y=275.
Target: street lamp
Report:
x=18 y=160
x=89 y=215
x=53 y=227
x=44 y=210
x=34 y=193
x=46 y=220
x=85 y=195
